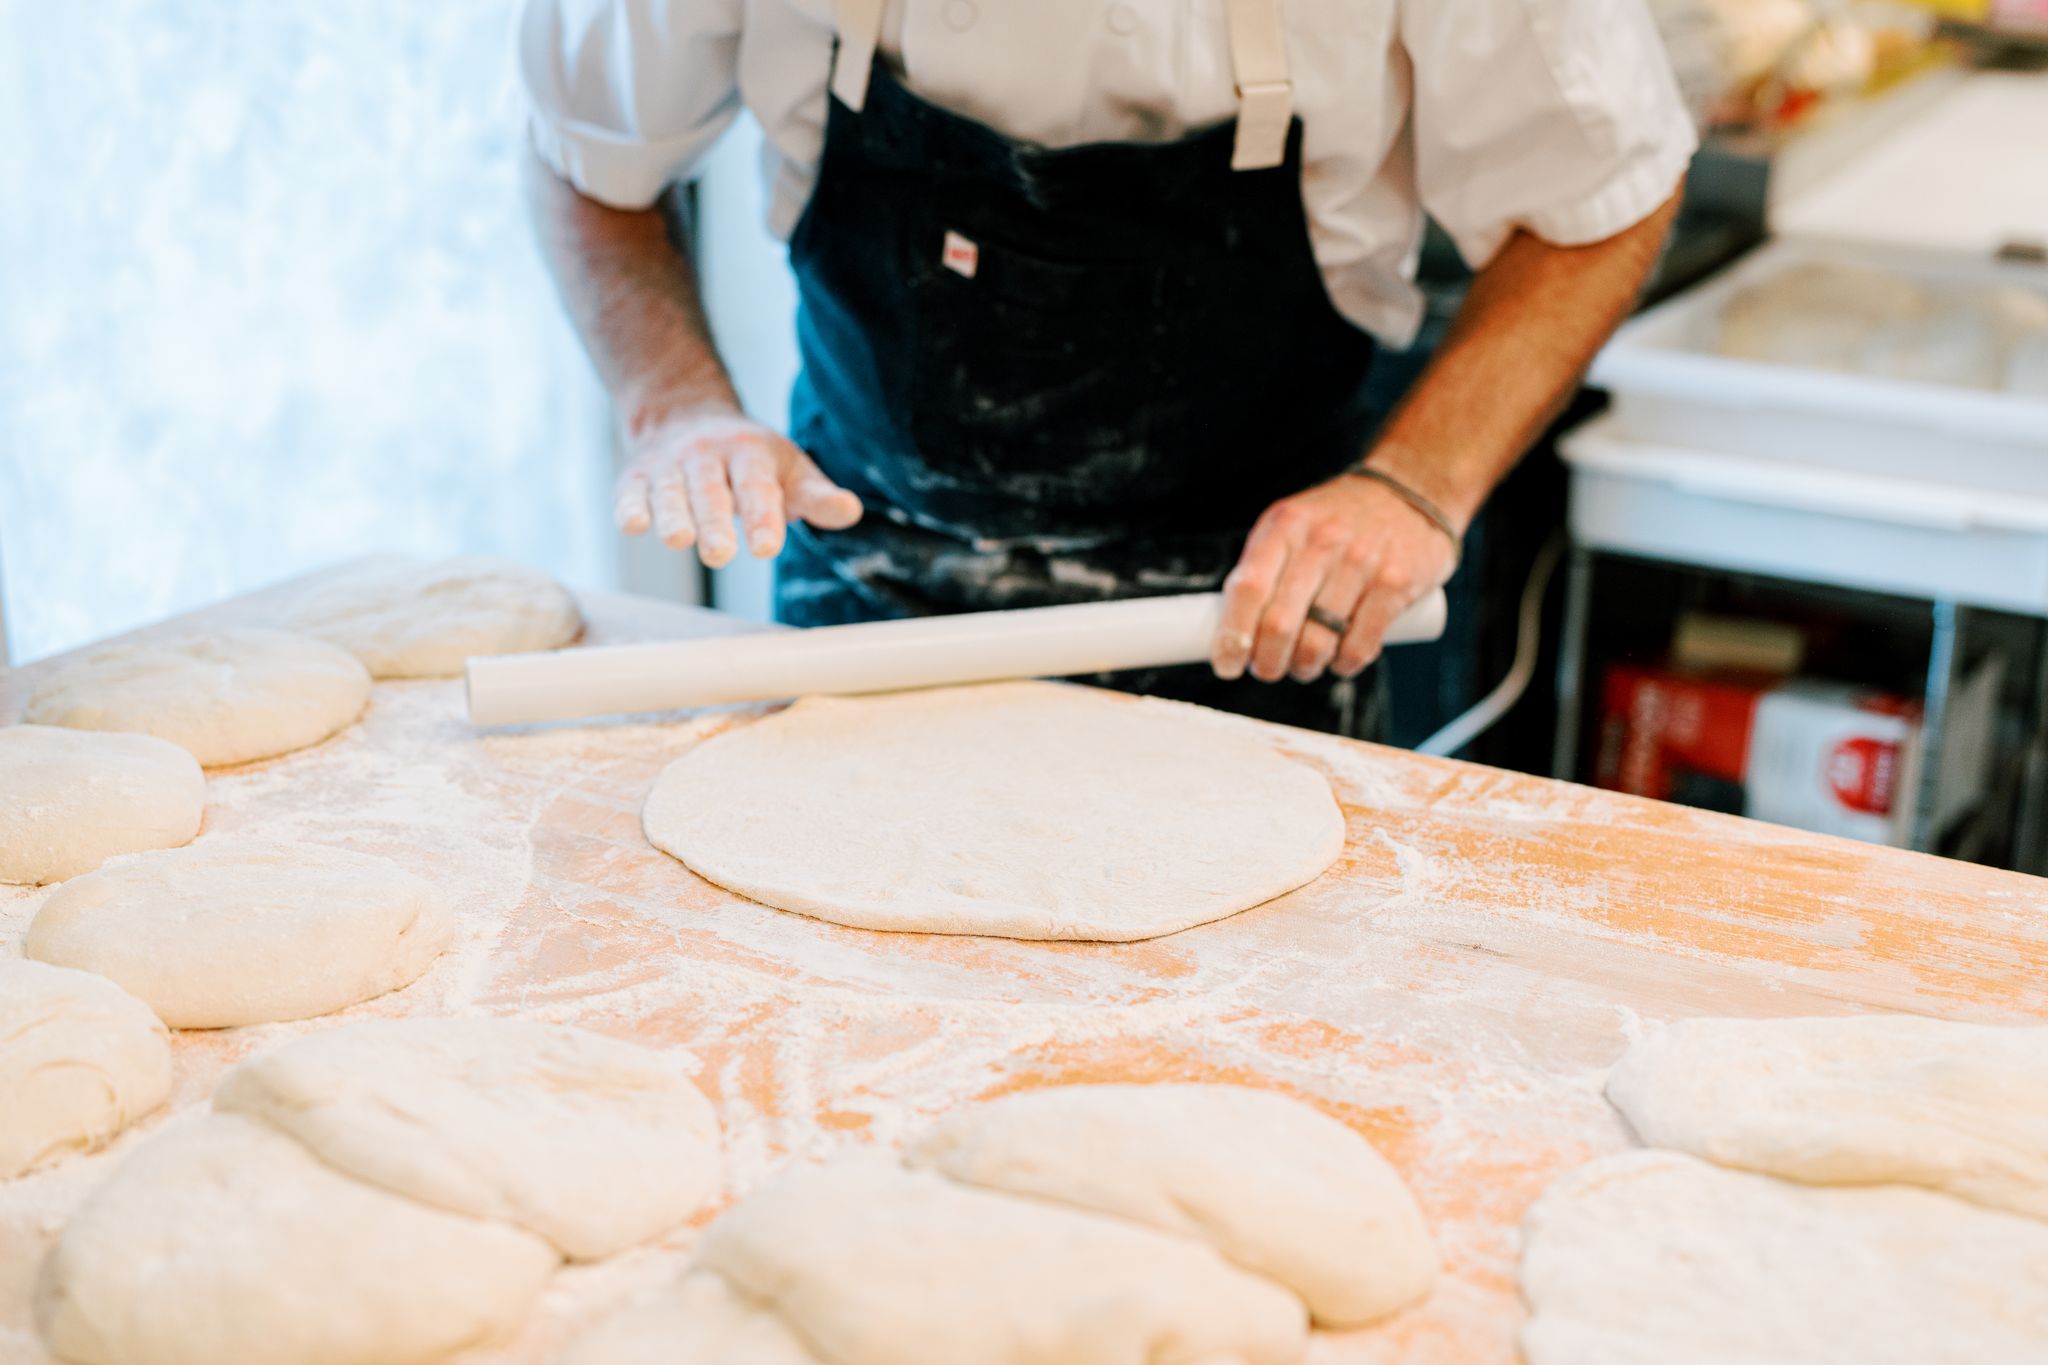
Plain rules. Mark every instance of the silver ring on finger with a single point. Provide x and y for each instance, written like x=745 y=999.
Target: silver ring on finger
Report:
x=1328 y=620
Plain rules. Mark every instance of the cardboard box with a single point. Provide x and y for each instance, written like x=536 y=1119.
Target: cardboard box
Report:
x=1820 y=756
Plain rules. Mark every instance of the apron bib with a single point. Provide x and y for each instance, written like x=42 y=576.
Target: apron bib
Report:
x=1063 y=375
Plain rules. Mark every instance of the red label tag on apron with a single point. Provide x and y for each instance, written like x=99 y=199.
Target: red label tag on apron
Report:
x=960 y=255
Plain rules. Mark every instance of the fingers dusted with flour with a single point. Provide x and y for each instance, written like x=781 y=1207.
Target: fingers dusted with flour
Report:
x=716 y=479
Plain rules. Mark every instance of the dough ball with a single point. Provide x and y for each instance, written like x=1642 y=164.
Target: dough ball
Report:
x=696 y=1321
x=230 y=696
x=245 y=931
x=1957 y=348
x=71 y=799
x=80 y=1060
x=410 y=617
x=1655 y=1256
x=1818 y=316
x=2026 y=371
x=1027 y=810
x=873 y=1264
x=1867 y=1099
x=1278 y=1188
x=222 y=1241
x=594 y=1144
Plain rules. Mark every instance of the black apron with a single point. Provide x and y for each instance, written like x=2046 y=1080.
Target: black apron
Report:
x=1061 y=376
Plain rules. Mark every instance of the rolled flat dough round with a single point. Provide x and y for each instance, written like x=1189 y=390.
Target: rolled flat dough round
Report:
x=696 y=1321
x=222 y=1240
x=80 y=1060
x=1860 y=1100
x=408 y=617
x=1027 y=810
x=1656 y=1256
x=872 y=1264
x=1274 y=1186
x=245 y=931
x=71 y=799
x=594 y=1144
x=230 y=696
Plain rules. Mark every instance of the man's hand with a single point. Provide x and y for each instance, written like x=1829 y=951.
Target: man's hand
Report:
x=1350 y=548
x=690 y=472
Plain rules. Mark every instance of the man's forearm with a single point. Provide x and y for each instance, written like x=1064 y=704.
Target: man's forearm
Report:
x=632 y=298
x=1531 y=323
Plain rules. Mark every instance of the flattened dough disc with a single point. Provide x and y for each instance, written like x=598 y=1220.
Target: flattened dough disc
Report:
x=1023 y=810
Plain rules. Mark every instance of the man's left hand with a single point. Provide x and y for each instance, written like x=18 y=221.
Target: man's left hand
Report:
x=1352 y=549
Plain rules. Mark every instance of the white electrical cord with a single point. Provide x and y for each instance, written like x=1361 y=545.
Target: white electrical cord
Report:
x=1528 y=644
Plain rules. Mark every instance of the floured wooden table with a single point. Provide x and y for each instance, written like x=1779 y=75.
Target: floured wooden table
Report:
x=1454 y=988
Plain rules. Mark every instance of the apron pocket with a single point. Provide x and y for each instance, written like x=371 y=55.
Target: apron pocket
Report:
x=1035 y=378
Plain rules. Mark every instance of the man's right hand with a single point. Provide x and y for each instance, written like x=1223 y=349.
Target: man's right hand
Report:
x=689 y=473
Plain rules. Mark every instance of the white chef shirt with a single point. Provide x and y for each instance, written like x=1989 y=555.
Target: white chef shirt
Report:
x=1559 y=116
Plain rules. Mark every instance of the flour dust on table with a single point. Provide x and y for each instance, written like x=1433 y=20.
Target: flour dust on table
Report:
x=1661 y=1257
x=407 y=617
x=228 y=696
x=222 y=1240
x=594 y=1144
x=1865 y=1099
x=245 y=930
x=1024 y=810
x=80 y=1060
x=71 y=799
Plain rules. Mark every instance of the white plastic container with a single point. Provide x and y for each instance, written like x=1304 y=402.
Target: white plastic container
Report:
x=1673 y=388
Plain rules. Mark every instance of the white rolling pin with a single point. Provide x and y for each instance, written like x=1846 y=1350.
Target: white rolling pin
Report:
x=873 y=656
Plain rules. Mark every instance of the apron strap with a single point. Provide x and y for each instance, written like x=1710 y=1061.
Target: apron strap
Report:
x=1258 y=58
x=860 y=29
x=1265 y=96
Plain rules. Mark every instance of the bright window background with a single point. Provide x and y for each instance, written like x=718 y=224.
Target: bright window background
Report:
x=268 y=300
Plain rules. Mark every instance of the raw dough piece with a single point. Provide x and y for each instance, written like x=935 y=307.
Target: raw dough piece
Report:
x=71 y=799
x=1658 y=1257
x=1860 y=1100
x=222 y=1241
x=594 y=1144
x=245 y=931
x=1028 y=810
x=80 y=1060
x=2026 y=372
x=1957 y=347
x=231 y=696
x=1818 y=316
x=875 y=1265
x=696 y=1321
x=408 y=617
x=1278 y=1188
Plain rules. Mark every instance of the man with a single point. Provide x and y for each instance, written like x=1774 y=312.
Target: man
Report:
x=1090 y=291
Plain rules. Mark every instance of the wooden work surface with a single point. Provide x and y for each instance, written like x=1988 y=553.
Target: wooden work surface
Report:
x=1454 y=988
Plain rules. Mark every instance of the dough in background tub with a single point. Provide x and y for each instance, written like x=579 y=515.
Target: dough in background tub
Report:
x=245 y=931
x=71 y=799
x=408 y=617
x=1818 y=316
x=80 y=1060
x=227 y=696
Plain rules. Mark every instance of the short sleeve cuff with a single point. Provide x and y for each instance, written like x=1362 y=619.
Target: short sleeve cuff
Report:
x=617 y=172
x=1627 y=198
